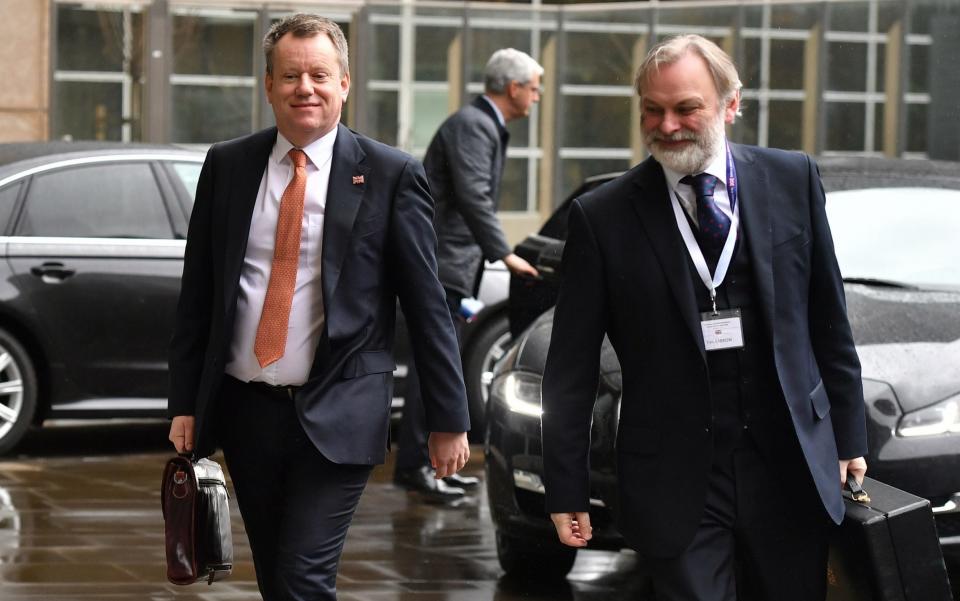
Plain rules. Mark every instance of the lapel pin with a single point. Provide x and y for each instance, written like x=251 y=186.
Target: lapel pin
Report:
x=357 y=179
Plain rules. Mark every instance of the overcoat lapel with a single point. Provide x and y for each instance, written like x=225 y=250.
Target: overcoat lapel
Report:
x=652 y=205
x=345 y=192
x=757 y=226
x=239 y=209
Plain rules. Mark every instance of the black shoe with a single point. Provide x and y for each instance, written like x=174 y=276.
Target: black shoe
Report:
x=422 y=480
x=462 y=481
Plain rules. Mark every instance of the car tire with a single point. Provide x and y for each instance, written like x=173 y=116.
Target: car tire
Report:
x=18 y=392
x=487 y=346
x=542 y=560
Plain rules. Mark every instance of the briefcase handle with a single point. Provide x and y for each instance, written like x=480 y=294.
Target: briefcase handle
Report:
x=856 y=491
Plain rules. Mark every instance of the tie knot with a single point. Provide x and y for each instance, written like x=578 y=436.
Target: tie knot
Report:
x=298 y=157
x=703 y=184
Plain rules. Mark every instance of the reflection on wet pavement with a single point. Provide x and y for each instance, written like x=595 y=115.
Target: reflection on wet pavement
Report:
x=80 y=519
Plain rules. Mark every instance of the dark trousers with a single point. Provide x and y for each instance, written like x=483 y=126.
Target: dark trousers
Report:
x=412 y=437
x=753 y=543
x=295 y=503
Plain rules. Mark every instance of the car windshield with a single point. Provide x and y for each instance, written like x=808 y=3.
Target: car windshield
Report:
x=893 y=236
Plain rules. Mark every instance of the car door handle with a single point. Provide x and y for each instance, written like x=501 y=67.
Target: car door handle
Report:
x=52 y=273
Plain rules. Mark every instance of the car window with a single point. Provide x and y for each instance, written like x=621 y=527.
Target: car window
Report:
x=96 y=201
x=189 y=174
x=8 y=198
x=903 y=235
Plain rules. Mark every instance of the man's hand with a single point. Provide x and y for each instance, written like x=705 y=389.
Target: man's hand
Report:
x=181 y=433
x=573 y=528
x=519 y=266
x=449 y=452
x=858 y=467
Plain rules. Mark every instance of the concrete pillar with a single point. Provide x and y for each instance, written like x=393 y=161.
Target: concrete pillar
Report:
x=25 y=65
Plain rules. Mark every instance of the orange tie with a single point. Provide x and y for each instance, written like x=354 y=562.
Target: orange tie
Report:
x=272 y=332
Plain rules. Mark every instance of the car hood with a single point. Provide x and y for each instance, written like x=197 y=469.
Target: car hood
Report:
x=909 y=339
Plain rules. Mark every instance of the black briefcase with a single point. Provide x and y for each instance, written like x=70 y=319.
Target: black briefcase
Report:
x=886 y=549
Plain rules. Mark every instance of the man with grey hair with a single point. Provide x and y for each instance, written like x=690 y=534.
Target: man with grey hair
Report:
x=464 y=164
x=302 y=238
x=711 y=268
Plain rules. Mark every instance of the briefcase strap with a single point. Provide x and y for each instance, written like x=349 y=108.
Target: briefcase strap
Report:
x=856 y=491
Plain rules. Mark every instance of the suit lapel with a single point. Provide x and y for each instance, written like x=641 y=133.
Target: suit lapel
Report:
x=344 y=194
x=757 y=225
x=652 y=205
x=239 y=210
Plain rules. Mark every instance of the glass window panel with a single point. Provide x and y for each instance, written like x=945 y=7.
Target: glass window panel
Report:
x=602 y=121
x=889 y=12
x=744 y=129
x=513 y=186
x=799 y=16
x=433 y=52
x=385 y=52
x=382 y=116
x=924 y=13
x=699 y=16
x=88 y=110
x=753 y=16
x=89 y=40
x=750 y=70
x=878 y=136
x=8 y=199
x=611 y=66
x=519 y=131
x=846 y=67
x=881 y=67
x=576 y=170
x=429 y=111
x=849 y=16
x=785 y=124
x=918 y=60
x=189 y=174
x=484 y=42
x=916 y=128
x=96 y=201
x=786 y=64
x=845 y=127
x=205 y=114
x=204 y=45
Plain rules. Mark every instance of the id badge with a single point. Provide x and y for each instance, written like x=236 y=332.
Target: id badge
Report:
x=721 y=330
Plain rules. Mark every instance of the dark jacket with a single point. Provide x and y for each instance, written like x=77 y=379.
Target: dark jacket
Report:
x=378 y=246
x=626 y=275
x=464 y=164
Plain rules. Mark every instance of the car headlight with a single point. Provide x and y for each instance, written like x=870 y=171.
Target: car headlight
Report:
x=520 y=391
x=941 y=418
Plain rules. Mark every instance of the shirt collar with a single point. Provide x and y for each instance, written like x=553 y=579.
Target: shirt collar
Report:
x=319 y=151
x=496 y=110
x=717 y=167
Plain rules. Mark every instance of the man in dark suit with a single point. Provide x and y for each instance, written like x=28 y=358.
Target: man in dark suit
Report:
x=464 y=164
x=301 y=240
x=711 y=268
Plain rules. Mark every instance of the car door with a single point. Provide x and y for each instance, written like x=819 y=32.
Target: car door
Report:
x=95 y=256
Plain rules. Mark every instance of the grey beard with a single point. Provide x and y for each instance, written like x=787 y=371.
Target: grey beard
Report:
x=695 y=158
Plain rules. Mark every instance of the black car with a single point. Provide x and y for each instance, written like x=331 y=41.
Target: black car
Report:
x=895 y=225
x=92 y=239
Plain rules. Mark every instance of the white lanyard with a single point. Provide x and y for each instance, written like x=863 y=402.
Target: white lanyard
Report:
x=723 y=263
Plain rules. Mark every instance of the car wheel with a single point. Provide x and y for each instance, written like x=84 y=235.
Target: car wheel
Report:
x=18 y=392
x=544 y=560
x=485 y=350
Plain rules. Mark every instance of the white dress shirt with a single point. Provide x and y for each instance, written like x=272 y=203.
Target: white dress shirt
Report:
x=306 y=314
x=717 y=167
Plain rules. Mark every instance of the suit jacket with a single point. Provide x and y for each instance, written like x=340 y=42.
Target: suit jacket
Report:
x=378 y=245
x=626 y=274
x=464 y=164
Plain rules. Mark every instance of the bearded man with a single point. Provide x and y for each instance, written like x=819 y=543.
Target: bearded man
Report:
x=711 y=268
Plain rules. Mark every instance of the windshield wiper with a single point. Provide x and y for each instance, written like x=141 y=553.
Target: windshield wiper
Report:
x=880 y=283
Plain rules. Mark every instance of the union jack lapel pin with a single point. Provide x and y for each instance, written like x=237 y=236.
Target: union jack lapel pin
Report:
x=357 y=180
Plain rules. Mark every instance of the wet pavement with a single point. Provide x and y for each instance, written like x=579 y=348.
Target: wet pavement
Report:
x=80 y=520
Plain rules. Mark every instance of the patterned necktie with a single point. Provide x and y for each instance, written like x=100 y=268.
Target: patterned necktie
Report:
x=713 y=223
x=271 y=337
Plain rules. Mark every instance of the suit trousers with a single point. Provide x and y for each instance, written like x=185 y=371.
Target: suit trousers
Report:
x=412 y=437
x=295 y=503
x=753 y=544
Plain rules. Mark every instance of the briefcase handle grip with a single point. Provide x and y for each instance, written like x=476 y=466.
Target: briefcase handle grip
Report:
x=856 y=491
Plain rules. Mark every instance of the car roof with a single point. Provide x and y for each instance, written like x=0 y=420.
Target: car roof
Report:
x=18 y=156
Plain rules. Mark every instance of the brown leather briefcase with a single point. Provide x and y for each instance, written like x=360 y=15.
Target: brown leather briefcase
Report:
x=196 y=518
